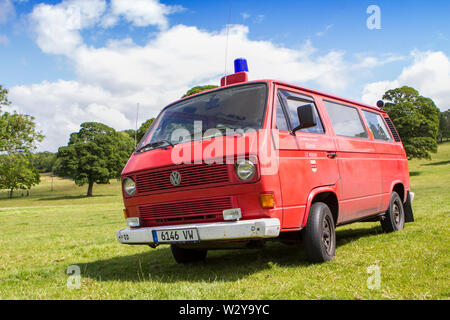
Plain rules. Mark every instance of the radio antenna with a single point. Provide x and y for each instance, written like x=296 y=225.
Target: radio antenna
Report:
x=135 y=131
x=226 y=44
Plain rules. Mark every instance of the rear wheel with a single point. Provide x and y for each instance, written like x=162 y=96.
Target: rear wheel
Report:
x=182 y=255
x=319 y=234
x=394 y=218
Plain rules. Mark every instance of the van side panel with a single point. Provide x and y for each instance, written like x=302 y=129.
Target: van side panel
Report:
x=394 y=166
x=360 y=172
x=303 y=166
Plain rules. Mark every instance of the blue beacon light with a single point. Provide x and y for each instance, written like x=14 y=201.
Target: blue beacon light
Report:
x=240 y=65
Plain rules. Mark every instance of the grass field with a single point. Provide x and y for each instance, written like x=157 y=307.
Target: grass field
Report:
x=42 y=235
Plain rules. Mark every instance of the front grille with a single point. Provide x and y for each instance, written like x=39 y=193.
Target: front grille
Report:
x=393 y=130
x=191 y=175
x=184 y=211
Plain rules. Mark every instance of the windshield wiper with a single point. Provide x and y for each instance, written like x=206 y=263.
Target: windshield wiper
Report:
x=155 y=144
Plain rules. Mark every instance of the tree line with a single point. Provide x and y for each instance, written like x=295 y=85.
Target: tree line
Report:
x=97 y=153
x=18 y=138
x=94 y=155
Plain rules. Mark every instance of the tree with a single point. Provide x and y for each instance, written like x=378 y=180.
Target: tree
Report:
x=144 y=128
x=198 y=89
x=17 y=172
x=18 y=133
x=416 y=119
x=44 y=161
x=444 y=125
x=95 y=154
x=130 y=132
x=18 y=137
x=3 y=97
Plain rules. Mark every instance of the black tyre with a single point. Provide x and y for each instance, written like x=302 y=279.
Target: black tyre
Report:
x=394 y=218
x=182 y=255
x=319 y=234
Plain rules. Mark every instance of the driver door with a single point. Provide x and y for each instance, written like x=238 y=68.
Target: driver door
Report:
x=306 y=160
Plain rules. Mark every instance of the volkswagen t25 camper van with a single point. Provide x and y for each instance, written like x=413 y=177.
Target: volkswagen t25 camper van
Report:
x=253 y=161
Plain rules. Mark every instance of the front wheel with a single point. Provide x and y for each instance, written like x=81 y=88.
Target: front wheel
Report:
x=319 y=234
x=182 y=255
x=394 y=218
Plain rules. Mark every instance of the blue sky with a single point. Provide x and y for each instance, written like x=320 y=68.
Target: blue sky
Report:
x=95 y=70
x=406 y=25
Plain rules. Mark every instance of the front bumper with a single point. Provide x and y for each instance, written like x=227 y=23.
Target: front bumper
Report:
x=245 y=229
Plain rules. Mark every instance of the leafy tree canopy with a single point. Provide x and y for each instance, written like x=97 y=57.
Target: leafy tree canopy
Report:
x=44 y=161
x=129 y=132
x=144 y=128
x=3 y=97
x=95 y=154
x=18 y=133
x=198 y=89
x=444 y=125
x=18 y=137
x=416 y=119
x=17 y=172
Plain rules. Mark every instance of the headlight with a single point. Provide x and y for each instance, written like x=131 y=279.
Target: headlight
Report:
x=129 y=186
x=245 y=169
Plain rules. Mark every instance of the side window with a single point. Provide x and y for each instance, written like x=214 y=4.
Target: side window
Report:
x=377 y=126
x=294 y=101
x=281 y=119
x=345 y=120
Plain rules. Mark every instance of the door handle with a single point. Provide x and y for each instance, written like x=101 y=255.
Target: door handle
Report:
x=331 y=155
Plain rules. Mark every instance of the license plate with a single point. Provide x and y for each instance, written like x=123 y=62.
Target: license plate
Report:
x=173 y=236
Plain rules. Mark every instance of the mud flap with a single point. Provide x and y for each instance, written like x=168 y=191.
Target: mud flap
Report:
x=409 y=217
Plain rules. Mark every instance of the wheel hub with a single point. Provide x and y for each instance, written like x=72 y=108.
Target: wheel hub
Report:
x=326 y=235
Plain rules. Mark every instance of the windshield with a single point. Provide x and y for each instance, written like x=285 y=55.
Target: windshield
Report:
x=223 y=110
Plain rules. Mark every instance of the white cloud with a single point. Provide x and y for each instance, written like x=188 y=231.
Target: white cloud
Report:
x=429 y=74
x=142 y=13
x=373 y=62
x=184 y=56
x=324 y=31
x=57 y=27
x=110 y=80
x=60 y=107
x=7 y=11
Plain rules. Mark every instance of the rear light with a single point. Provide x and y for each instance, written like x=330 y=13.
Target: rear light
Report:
x=267 y=201
x=125 y=213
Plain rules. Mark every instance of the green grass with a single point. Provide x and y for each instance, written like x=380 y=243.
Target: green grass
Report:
x=42 y=235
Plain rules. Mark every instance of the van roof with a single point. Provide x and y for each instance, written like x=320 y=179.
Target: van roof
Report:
x=294 y=86
x=324 y=94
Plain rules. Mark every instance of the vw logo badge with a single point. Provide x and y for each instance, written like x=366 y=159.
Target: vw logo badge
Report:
x=175 y=178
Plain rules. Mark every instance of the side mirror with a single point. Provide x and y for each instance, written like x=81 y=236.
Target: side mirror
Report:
x=306 y=117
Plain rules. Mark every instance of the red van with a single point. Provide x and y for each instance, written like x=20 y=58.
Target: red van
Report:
x=253 y=161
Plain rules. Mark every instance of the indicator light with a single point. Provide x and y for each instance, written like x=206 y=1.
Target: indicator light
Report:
x=267 y=201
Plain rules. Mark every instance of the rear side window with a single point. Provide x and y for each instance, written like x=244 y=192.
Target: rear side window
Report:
x=292 y=102
x=377 y=126
x=346 y=120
